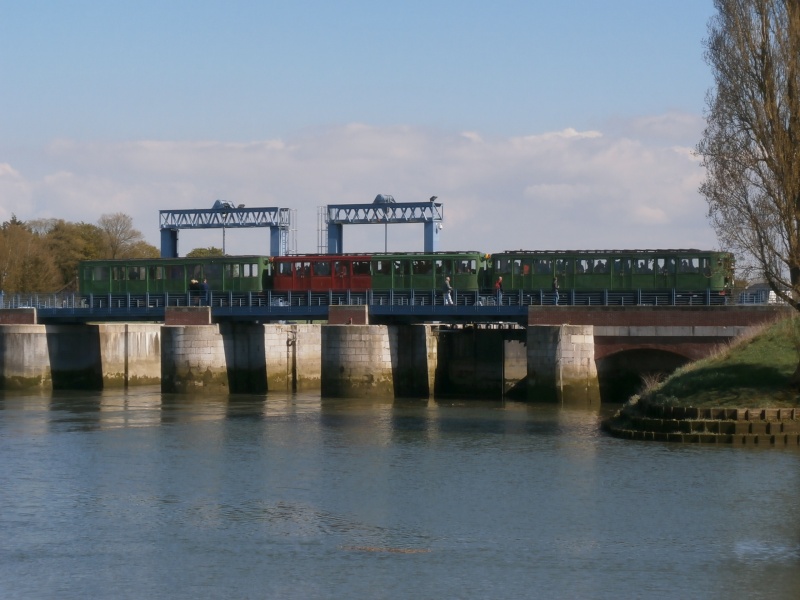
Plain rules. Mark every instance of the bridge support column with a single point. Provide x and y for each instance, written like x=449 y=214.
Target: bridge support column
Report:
x=24 y=357
x=335 y=238
x=169 y=243
x=561 y=365
x=368 y=360
x=213 y=358
x=130 y=353
x=357 y=360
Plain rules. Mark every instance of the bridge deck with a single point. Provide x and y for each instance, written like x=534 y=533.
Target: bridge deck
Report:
x=408 y=306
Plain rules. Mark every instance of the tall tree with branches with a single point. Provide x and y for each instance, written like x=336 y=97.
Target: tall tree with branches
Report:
x=751 y=145
x=119 y=234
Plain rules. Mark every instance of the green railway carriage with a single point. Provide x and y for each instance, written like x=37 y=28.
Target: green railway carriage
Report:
x=173 y=275
x=615 y=269
x=426 y=271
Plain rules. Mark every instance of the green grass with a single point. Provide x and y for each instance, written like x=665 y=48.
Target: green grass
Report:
x=752 y=371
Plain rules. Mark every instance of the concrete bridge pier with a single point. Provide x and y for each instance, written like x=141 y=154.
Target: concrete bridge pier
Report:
x=367 y=360
x=561 y=366
x=24 y=357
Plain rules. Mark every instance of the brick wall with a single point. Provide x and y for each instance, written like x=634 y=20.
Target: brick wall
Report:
x=665 y=316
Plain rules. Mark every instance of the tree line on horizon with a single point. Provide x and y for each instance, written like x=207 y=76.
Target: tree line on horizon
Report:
x=42 y=255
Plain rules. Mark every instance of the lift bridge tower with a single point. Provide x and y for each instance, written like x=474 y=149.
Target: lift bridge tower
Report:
x=224 y=215
x=384 y=211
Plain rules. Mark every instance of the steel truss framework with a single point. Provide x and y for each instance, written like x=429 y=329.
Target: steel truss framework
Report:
x=210 y=218
x=277 y=219
x=430 y=214
x=405 y=212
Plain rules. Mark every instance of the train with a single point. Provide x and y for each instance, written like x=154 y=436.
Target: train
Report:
x=474 y=272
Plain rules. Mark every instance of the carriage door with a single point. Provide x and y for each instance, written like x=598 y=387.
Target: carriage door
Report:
x=400 y=274
x=620 y=273
x=665 y=269
x=340 y=275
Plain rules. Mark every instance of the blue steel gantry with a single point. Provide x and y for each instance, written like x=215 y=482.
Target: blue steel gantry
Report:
x=384 y=211
x=225 y=215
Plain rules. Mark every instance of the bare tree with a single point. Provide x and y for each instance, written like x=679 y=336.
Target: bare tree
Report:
x=119 y=234
x=751 y=145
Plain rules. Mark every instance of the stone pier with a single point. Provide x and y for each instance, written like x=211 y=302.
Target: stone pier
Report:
x=561 y=365
x=393 y=360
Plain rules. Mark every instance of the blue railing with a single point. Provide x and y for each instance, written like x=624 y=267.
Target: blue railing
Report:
x=314 y=305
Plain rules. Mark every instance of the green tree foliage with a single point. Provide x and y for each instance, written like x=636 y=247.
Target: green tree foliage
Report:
x=119 y=235
x=42 y=255
x=202 y=252
x=25 y=263
x=750 y=145
x=68 y=244
x=142 y=249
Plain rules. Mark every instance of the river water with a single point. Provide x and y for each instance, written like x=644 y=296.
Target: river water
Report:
x=148 y=495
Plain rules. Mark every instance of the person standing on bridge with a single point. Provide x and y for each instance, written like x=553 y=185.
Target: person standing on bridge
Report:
x=206 y=297
x=555 y=290
x=448 y=292
x=498 y=287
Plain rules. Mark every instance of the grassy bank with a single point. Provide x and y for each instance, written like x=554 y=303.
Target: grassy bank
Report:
x=752 y=371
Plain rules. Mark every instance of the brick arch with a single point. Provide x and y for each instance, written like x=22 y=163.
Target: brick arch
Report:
x=688 y=347
x=621 y=374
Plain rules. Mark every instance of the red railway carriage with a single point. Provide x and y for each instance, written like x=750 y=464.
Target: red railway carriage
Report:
x=321 y=272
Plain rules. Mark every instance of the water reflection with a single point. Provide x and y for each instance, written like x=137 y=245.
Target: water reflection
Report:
x=294 y=496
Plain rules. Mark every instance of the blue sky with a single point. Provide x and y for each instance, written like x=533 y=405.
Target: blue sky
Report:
x=538 y=124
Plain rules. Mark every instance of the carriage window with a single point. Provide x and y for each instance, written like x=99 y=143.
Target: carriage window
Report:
x=643 y=266
x=232 y=270
x=117 y=273
x=400 y=267
x=601 y=266
x=99 y=274
x=136 y=273
x=466 y=266
x=322 y=268
x=665 y=266
x=690 y=265
x=250 y=270
x=382 y=267
x=542 y=266
x=421 y=267
x=155 y=273
x=584 y=265
x=211 y=272
x=622 y=266
x=705 y=266
x=176 y=273
x=361 y=267
x=302 y=269
x=563 y=266
x=196 y=272
x=503 y=266
x=442 y=267
x=516 y=266
x=340 y=268
x=284 y=268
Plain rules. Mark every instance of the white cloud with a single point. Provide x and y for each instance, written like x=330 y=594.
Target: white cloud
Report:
x=564 y=189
